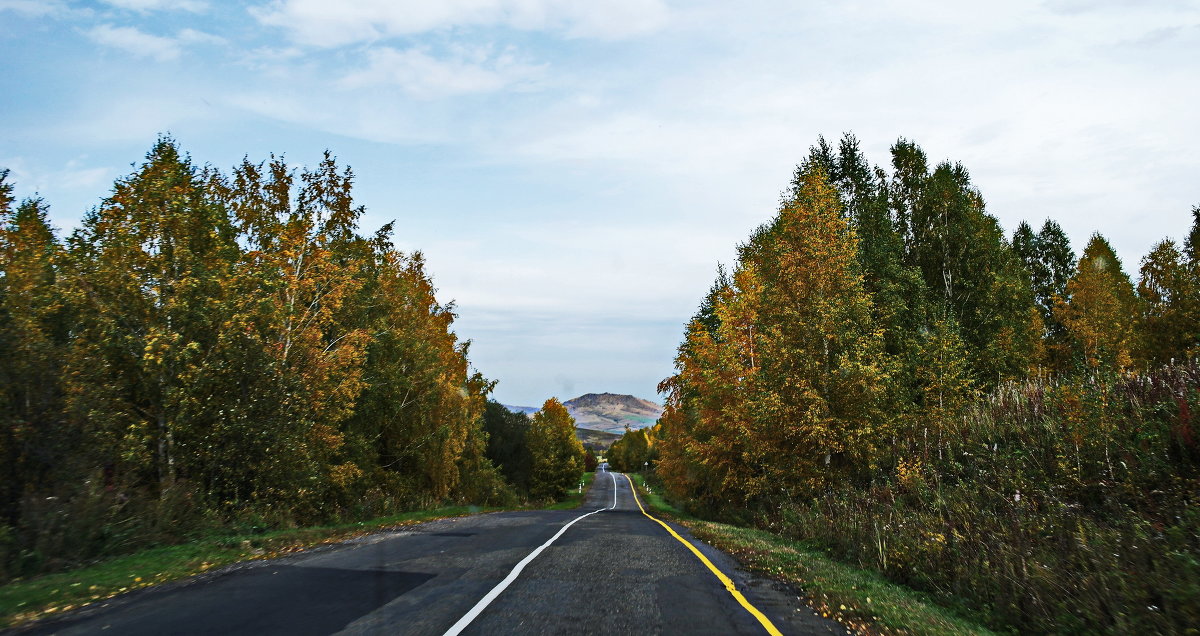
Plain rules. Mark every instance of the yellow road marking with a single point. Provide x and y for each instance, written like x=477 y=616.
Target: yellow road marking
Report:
x=729 y=586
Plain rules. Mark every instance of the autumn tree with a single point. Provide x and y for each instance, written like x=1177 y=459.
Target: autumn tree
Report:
x=212 y=347
x=1100 y=309
x=818 y=396
x=708 y=400
x=786 y=395
x=146 y=270
x=557 y=454
x=635 y=451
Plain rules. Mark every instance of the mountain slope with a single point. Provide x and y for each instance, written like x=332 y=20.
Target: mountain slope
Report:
x=611 y=412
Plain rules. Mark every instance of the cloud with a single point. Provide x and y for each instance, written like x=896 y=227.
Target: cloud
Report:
x=131 y=40
x=32 y=178
x=35 y=8
x=423 y=75
x=192 y=36
x=325 y=24
x=142 y=44
x=194 y=6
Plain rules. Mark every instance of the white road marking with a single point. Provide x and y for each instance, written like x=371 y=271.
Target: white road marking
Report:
x=487 y=599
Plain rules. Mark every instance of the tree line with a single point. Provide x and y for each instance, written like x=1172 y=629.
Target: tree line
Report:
x=228 y=350
x=887 y=373
x=633 y=451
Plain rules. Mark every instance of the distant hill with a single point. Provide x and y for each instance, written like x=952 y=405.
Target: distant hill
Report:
x=611 y=413
x=528 y=410
x=605 y=413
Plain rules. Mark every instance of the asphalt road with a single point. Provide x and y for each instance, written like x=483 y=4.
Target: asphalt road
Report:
x=612 y=572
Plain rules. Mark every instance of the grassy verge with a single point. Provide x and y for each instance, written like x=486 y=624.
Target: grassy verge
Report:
x=22 y=601
x=860 y=599
x=575 y=497
x=656 y=501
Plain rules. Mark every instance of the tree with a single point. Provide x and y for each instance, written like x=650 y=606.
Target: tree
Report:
x=973 y=273
x=146 y=270
x=33 y=335
x=946 y=383
x=1191 y=245
x=634 y=451
x=1048 y=257
x=816 y=401
x=786 y=396
x=1058 y=263
x=508 y=443
x=897 y=291
x=556 y=452
x=1168 y=295
x=1100 y=309
x=910 y=172
x=707 y=408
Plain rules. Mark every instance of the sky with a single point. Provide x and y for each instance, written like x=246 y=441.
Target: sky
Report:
x=575 y=171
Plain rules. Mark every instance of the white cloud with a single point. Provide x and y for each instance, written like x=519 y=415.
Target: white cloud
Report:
x=139 y=43
x=194 y=6
x=322 y=23
x=35 y=8
x=192 y=36
x=32 y=178
x=423 y=75
x=142 y=44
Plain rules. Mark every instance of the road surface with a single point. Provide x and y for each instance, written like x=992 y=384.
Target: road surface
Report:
x=604 y=568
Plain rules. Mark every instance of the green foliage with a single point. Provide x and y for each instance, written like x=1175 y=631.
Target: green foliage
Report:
x=214 y=350
x=508 y=443
x=1062 y=506
x=635 y=452
x=884 y=376
x=787 y=395
x=556 y=454
x=33 y=334
x=1170 y=304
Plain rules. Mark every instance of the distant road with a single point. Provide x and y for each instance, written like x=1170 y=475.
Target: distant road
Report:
x=612 y=571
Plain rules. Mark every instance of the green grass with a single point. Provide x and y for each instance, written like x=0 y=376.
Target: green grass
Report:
x=860 y=599
x=655 y=500
x=25 y=600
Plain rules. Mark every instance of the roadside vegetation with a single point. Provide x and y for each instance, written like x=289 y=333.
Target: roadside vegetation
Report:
x=887 y=377
x=862 y=600
x=215 y=354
